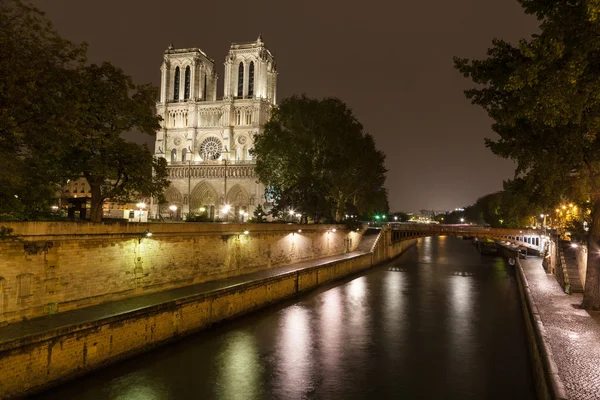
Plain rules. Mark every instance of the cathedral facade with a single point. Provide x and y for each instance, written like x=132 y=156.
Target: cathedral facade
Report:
x=207 y=139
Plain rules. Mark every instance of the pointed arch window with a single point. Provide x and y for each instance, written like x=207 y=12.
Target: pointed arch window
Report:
x=240 y=92
x=173 y=155
x=183 y=155
x=204 y=89
x=176 y=84
x=251 y=80
x=186 y=92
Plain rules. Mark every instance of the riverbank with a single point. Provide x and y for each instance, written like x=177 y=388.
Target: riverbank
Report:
x=567 y=337
x=38 y=353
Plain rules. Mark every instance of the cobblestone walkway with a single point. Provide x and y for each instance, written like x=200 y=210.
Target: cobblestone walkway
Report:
x=573 y=334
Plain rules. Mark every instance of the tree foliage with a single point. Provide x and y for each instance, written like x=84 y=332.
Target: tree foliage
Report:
x=37 y=68
x=544 y=97
x=61 y=119
x=318 y=157
x=107 y=105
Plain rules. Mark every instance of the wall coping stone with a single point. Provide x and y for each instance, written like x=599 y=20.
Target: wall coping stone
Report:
x=62 y=228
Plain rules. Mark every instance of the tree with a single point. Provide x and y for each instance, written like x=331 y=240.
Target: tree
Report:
x=258 y=215
x=61 y=119
x=107 y=104
x=37 y=68
x=543 y=96
x=318 y=157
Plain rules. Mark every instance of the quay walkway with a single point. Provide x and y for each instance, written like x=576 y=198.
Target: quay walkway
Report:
x=572 y=334
x=43 y=325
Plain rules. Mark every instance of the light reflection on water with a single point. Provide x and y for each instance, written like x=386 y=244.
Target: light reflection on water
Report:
x=294 y=354
x=443 y=323
x=139 y=387
x=239 y=368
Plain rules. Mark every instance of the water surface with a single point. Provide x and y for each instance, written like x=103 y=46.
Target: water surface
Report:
x=440 y=322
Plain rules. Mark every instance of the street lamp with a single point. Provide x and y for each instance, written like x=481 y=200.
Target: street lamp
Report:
x=462 y=220
x=173 y=208
x=225 y=210
x=141 y=206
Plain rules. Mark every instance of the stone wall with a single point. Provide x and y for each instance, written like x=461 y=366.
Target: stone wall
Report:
x=35 y=362
x=50 y=267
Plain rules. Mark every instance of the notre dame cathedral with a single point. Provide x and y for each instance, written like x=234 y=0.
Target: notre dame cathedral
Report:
x=206 y=139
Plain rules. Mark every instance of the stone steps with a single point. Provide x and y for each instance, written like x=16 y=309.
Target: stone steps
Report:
x=571 y=267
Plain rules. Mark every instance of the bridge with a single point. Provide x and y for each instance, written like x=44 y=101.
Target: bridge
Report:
x=531 y=239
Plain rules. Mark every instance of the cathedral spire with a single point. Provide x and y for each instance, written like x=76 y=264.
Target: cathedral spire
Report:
x=260 y=38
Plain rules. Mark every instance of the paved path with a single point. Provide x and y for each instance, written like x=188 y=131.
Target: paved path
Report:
x=42 y=325
x=573 y=334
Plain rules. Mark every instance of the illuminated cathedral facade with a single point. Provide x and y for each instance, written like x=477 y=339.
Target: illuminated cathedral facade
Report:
x=206 y=139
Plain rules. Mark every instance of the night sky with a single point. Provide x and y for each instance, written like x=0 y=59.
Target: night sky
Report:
x=390 y=61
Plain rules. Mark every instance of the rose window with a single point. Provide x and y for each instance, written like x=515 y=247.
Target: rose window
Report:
x=211 y=148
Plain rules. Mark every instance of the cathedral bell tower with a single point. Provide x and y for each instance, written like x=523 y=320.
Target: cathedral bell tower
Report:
x=250 y=72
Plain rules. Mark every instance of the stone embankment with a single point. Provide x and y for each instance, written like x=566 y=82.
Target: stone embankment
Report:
x=45 y=351
x=564 y=340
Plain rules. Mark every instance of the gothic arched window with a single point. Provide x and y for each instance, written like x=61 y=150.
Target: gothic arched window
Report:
x=173 y=155
x=186 y=92
x=176 y=85
x=204 y=89
x=241 y=80
x=251 y=80
x=183 y=155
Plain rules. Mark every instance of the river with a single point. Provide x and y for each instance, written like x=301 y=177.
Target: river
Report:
x=439 y=322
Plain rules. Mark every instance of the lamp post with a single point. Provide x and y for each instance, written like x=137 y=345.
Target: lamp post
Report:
x=173 y=209
x=141 y=206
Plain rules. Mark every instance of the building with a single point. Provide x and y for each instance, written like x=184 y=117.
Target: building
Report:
x=207 y=139
x=75 y=199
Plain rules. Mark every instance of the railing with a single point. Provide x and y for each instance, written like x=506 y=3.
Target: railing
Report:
x=211 y=163
x=563 y=266
x=532 y=239
x=211 y=171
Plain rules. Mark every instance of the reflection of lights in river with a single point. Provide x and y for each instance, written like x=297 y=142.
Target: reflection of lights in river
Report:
x=139 y=387
x=356 y=288
x=331 y=331
x=240 y=369
x=460 y=297
x=294 y=349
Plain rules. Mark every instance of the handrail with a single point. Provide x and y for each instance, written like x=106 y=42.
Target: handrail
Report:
x=374 y=246
x=563 y=265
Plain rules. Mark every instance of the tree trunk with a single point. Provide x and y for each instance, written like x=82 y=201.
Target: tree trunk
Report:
x=339 y=209
x=591 y=293
x=97 y=202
